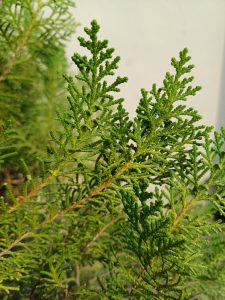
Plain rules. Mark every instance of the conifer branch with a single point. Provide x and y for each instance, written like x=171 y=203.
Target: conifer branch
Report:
x=34 y=191
x=102 y=231
x=15 y=243
x=155 y=242
x=80 y=202
x=183 y=212
x=23 y=41
x=68 y=209
x=181 y=215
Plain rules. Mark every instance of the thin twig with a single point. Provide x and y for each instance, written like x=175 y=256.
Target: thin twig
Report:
x=34 y=191
x=102 y=231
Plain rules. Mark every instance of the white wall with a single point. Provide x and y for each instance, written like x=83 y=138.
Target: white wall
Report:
x=147 y=33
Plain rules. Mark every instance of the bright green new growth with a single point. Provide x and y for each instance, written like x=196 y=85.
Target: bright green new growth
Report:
x=89 y=228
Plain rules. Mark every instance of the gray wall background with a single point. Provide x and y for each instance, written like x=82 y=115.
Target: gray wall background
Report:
x=147 y=33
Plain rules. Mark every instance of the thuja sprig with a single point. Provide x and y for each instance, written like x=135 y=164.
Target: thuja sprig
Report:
x=23 y=22
x=97 y=231
x=32 y=55
x=168 y=229
x=95 y=96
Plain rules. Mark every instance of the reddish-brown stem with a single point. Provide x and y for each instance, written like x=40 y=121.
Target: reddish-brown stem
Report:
x=34 y=191
x=102 y=231
x=15 y=243
x=182 y=212
x=71 y=207
x=91 y=195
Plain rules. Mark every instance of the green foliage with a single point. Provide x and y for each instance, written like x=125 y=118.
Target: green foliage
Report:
x=32 y=59
x=122 y=209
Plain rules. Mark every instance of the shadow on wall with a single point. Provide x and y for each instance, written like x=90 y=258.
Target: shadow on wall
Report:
x=221 y=112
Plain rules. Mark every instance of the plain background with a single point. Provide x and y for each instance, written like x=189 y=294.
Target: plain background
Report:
x=147 y=33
